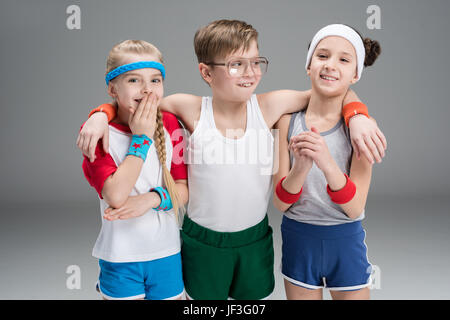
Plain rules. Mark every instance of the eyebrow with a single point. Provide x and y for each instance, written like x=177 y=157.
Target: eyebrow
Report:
x=140 y=75
x=327 y=50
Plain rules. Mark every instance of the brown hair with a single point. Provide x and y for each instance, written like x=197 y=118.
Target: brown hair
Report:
x=115 y=59
x=222 y=37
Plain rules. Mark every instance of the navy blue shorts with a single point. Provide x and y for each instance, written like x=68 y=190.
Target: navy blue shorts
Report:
x=333 y=257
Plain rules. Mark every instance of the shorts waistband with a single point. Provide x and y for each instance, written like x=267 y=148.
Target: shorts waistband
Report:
x=323 y=232
x=226 y=239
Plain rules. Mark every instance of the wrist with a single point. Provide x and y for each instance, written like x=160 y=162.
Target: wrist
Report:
x=107 y=109
x=139 y=146
x=330 y=170
x=287 y=196
x=353 y=109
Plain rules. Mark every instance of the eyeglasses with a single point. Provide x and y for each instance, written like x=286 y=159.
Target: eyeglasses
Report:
x=238 y=66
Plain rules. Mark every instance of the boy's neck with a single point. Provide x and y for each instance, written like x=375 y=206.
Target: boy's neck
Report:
x=229 y=109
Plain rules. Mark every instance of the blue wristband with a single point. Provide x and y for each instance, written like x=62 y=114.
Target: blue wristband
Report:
x=139 y=146
x=166 y=202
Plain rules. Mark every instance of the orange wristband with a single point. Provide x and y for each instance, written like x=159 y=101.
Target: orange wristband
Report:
x=107 y=108
x=352 y=109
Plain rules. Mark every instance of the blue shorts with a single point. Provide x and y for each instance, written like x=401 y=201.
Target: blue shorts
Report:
x=333 y=257
x=152 y=280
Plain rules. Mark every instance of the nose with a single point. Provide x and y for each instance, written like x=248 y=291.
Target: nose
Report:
x=146 y=88
x=248 y=70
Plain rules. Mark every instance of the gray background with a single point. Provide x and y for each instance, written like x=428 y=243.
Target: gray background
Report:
x=52 y=76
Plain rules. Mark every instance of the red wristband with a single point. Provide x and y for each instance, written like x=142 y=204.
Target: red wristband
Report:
x=285 y=196
x=352 y=109
x=107 y=108
x=345 y=194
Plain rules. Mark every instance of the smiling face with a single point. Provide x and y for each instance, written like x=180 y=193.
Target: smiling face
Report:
x=333 y=66
x=129 y=88
x=228 y=87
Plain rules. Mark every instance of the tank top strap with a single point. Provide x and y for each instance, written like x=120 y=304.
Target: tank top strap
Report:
x=256 y=117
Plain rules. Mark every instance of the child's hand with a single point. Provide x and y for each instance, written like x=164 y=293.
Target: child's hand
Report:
x=94 y=129
x=367 y=139
x=314 y=146
x=302 y=163
x=134 y=207
x=143 y=119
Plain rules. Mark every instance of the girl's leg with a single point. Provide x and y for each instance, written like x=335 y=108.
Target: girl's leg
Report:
x=294 y=292
x=361 y=294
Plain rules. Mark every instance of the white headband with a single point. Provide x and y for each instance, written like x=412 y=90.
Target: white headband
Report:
x=344 y=32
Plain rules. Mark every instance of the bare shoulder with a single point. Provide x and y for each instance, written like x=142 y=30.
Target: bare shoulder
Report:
x=187 y=107
x=274 y=104
x=283 y=122
x=183 y=100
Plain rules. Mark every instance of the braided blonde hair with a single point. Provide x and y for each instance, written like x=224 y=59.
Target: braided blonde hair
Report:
x=115 y=59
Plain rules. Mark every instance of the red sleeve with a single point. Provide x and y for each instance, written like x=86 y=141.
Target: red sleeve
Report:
x=178 y=168
x=98 y=171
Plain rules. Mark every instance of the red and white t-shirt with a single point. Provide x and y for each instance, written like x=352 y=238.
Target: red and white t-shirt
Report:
x=155 y=234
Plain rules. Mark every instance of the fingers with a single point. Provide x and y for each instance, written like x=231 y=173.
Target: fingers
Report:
x=106 y=143
x=364 y=150
x=113 y=214
x=373 y=149
x=151 y=107
x=356 y=150
x=381 y=136
x=140 y=109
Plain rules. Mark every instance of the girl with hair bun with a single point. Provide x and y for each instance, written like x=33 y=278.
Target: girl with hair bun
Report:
x=141 y=182
x=321 y=185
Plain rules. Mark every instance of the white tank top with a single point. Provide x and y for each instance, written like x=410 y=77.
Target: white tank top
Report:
x=230 y=180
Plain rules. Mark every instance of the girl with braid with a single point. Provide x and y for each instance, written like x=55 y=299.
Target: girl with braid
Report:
x=141 y=183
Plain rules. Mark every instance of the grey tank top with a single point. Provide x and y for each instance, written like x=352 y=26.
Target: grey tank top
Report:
x=314 y=205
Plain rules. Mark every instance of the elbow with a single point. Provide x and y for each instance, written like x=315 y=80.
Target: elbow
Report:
x=114 y=200
x=279 y=205
x=354 y=213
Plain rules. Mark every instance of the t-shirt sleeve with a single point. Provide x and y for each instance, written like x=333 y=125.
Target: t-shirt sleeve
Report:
x=178 y=168
x=98 y=171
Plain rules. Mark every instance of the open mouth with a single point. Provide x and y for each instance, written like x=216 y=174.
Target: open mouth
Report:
x=138 y=100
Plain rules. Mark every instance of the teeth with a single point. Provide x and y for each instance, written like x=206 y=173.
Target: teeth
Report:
x=328 y=78
x=245 y=84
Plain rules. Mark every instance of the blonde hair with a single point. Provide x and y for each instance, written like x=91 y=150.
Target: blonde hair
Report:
x=115 y=59
x=222 y=37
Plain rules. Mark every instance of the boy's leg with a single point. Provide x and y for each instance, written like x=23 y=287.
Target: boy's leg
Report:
x=254 y=273
x=207 y=269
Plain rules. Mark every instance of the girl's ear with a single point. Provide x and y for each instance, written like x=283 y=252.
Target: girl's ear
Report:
x=112 y=90
x=205 y=72
x=354 y=79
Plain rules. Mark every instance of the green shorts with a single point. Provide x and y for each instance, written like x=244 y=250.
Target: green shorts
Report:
x=219 y=265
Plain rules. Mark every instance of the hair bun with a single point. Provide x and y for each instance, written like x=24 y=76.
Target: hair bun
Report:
x=373 y=50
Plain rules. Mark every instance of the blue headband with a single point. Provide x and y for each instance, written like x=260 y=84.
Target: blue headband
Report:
x=133 y=66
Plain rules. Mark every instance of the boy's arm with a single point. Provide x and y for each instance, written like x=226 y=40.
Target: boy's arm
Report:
x=366 y=137
x=274 y=104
